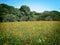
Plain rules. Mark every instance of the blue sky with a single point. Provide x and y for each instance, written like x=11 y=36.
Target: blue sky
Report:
x=35 y=5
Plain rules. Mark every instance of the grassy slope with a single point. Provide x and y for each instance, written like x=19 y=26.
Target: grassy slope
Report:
x=30 y=33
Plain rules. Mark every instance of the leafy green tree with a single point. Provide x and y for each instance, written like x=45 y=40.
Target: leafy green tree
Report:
x=25 y=10
x=9 y=18
x=10 y=13
x=24 y=18
x=48 y=18
x=3 y=11
x=34 y=15
x=55 y=15
x=44 y=15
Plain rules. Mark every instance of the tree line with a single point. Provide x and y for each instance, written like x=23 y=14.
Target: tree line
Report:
x=12 y=14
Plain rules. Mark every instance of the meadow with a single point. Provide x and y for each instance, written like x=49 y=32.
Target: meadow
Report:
x=30 y=33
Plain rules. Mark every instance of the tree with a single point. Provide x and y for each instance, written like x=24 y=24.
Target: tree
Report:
x=55 y=15
x=3 y=11
x=44 y=15
x=48 y=18
x=10 y=13
x=9 y=18
x=34 y=15
x=25 y=10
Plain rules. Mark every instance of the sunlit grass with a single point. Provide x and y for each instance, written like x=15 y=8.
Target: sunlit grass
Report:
x=30 y=33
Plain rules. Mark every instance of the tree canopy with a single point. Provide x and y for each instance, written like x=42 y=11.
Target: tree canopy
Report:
x=12 y=14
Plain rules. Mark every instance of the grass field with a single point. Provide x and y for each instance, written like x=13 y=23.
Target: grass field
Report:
x=30 y=33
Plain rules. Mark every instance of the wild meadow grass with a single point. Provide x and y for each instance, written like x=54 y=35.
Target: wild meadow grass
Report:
x=30 y=33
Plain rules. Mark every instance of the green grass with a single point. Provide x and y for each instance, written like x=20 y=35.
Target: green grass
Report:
x=30 y=33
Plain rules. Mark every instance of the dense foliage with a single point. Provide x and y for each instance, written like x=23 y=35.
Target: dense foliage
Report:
x=11 y=14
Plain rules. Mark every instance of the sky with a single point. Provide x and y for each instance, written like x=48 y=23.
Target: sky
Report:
x=35 y=5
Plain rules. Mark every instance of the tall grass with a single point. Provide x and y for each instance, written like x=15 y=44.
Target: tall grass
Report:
x=30 y=33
